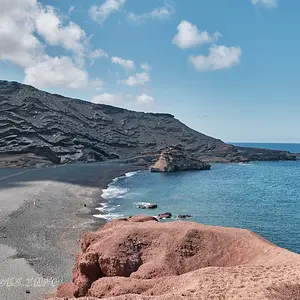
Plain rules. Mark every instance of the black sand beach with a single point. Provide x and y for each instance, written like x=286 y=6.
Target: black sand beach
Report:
x=43 y=214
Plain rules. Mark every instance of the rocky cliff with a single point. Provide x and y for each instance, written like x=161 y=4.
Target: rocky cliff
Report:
x=175 y=158
x=140 y=258
x=36 y=126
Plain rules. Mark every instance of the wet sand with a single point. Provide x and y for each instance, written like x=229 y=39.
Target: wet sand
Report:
x=43 y=214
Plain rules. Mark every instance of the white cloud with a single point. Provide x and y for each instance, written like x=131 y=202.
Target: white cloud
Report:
x=18 y=44
x=50 y=27
x=98 y=84
x=146 y=67
x=137 y=79
x=161 y=13
x=112 y=99
x=266 y=3
x=128 y=101
x=21 y=23
x=219 y=57
x=98 y=53
x=145 y=99
x=100 y=13
x=189 y=36
x=56 y=71
x=126 y=64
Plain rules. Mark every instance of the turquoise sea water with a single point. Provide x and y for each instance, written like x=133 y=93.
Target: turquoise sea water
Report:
x=261 y=196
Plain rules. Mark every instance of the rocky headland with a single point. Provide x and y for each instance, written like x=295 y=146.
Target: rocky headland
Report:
x=39 y=128
x=141 y=258
x=175 y=158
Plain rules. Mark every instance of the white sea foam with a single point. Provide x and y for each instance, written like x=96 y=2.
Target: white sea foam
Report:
x=114 y=192
x=105 y=208
x=109 y=217
x=127 y=175
x=114 y=180
x=142 y=203
x=130 y=174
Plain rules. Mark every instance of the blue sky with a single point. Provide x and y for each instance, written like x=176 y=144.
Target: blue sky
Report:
x=227 y=68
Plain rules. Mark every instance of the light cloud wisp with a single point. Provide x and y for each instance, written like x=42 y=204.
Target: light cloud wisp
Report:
x=219 y=57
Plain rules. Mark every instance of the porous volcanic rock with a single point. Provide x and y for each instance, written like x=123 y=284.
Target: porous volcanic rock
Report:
x=147 y=206
x=42 y=128
x=175 y=158
x=130 y=259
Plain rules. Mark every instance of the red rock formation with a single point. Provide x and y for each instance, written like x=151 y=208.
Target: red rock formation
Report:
x=140 y=258
x=175 y=158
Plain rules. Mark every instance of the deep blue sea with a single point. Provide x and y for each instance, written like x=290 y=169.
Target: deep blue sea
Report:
x=261 y=196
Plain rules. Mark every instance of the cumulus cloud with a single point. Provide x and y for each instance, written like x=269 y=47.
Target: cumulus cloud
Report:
x=70 y=37
x=137 y=79
x=160 y=13
x=18 y=43
x=125 y=100
x=99 y=13
x=146 y=67
x=21 y=23
x=56 y=71
x=188 y=36
x=266 y=3
x=145 y=99
x=219 y=57
x=110 y=99
x=126 y=64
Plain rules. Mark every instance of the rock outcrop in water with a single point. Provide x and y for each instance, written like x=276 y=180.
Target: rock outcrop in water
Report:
x=38 y=127
x=141 y=258
x=175 y=158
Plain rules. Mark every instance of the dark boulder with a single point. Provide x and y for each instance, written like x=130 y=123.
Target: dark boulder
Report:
x=147 y=206
x=184 y=216
x=166 y=215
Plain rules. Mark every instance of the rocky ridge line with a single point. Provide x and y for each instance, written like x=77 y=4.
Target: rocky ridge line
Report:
x=37 y=126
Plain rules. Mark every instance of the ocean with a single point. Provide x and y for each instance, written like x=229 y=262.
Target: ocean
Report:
x=261 y=196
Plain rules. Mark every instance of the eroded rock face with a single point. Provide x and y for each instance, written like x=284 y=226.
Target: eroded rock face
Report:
x=139 y=257
x=175 y=158
x=35 y=124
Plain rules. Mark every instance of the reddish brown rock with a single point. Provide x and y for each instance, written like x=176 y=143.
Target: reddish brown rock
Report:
x=141 y=218
x=67 y=290
x=175 y=158
x=131 y=259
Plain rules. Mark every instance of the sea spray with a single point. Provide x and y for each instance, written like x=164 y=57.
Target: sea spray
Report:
x=113 y=192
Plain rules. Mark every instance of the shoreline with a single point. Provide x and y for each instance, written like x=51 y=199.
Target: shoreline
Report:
x=46 y=211
x=98 y=209
x=94 y=207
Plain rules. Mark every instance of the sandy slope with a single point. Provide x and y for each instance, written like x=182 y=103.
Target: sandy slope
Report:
x=42 y=216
